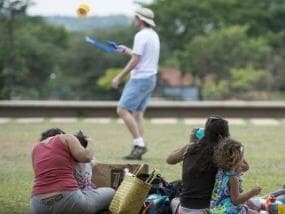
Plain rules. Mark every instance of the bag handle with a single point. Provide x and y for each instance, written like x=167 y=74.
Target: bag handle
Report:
x=151 y=180
x=138 y=169
x=116 y=180
x=152 y=176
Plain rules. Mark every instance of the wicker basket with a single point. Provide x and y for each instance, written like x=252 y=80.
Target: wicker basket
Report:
x=131 y=194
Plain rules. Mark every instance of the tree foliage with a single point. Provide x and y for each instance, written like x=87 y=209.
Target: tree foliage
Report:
x=184 y=19
x=216 y=37
x=28 y=54
x=219 y=51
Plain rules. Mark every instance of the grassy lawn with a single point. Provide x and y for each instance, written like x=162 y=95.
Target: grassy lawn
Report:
x=264 y=147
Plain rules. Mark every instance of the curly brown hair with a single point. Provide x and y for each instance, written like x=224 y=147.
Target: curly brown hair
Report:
x=228 y=154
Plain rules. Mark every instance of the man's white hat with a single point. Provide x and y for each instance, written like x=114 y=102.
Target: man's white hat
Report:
x=145 y=15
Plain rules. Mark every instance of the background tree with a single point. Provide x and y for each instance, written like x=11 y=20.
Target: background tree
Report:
x=213 y=37
x=28 y=54
x=219 y=51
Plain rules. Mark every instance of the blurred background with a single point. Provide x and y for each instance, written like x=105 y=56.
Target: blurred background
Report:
x=210 y=49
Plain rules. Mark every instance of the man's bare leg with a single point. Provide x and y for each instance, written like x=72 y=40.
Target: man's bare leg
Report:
x=129 y=121
x=135 y=126
x=139 y=120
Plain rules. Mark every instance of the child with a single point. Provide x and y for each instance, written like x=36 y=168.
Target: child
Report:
x=83 y=171
x=226 y=195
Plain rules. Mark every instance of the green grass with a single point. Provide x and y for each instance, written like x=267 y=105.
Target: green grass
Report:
x=264 y=146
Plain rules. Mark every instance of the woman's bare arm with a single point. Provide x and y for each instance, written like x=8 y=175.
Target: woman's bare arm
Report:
x=79 y=153
x=177 y=155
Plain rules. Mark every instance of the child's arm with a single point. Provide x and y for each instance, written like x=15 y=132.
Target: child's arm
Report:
x=238 y=198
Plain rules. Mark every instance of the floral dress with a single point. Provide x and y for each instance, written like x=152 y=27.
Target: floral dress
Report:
x=221 y=202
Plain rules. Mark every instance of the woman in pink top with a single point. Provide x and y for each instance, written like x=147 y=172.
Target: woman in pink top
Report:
x=55 y=188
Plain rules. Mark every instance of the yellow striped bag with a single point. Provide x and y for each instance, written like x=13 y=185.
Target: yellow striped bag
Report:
x=131 y=194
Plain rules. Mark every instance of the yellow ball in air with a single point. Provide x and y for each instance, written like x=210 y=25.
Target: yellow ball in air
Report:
x=83 y=10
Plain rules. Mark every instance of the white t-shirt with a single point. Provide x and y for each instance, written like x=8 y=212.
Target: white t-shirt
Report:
x=147 y=46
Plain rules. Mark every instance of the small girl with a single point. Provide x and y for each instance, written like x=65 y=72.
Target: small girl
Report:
x=83 y=171
x=226 y=196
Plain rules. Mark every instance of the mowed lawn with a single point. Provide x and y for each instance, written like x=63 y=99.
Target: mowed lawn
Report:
x=264 y=150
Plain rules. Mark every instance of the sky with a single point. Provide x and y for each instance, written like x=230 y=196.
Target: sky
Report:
x=97 y=7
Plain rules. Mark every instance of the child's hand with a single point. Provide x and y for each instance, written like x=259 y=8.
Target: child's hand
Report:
x=256 y=190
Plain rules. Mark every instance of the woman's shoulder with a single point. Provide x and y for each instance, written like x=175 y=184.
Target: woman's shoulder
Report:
x=192 y=148
x=48 y=143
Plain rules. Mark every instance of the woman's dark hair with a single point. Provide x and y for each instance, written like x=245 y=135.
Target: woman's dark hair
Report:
x=50 y=133
x=216 y=128
x=228 y=154
x=82 y=138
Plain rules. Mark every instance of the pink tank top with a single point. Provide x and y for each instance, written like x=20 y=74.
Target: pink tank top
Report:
x=53 y=168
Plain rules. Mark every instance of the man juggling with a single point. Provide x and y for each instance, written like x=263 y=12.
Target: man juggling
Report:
x=143 y=67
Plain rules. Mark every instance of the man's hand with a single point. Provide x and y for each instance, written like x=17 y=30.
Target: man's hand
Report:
x=124 y=49
x=122 y=75
x=116 y=82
